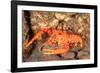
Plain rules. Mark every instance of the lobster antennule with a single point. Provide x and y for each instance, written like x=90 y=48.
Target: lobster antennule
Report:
x=34 y=38
x=38 y=35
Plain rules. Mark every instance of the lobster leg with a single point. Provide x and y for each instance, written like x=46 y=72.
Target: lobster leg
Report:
x=56 y=51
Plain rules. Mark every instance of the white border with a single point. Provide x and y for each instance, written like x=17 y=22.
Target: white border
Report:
x=53 y=63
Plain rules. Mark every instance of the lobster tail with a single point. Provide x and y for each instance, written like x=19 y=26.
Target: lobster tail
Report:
x=76 y=39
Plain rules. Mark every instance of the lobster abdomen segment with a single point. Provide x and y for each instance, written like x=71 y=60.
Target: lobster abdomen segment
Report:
x=76 y=39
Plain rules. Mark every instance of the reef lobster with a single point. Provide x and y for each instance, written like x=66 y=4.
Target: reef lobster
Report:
x=61 y=37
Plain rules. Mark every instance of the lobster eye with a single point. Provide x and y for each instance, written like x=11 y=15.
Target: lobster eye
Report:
x=59 y=33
